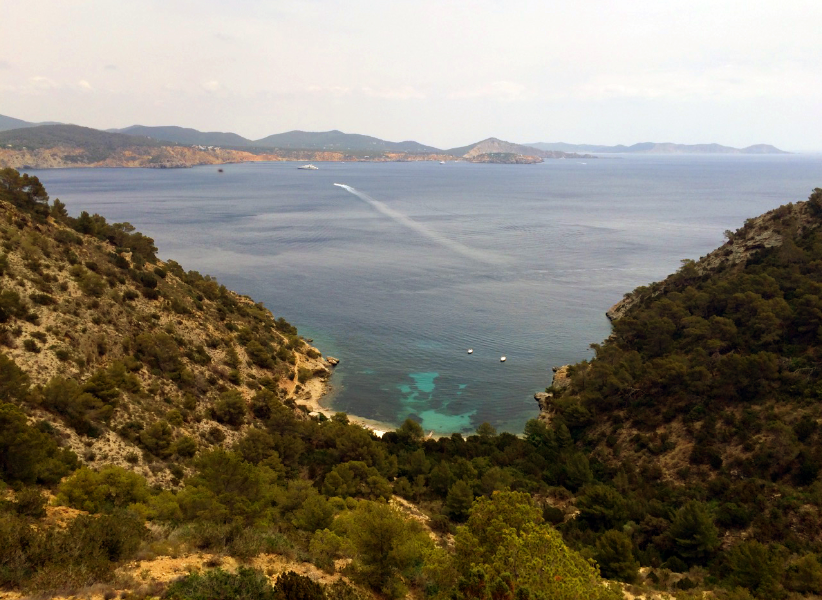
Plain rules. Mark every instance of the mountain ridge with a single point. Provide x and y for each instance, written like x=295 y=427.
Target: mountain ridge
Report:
x=660 y=148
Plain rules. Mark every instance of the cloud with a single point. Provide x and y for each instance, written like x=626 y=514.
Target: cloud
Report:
x=84 y=85
x=497 y=90
x=212 y=86
x=403 y=93
x=333 y=90
x=111 y=67
x=728 y=81
x=42 y=84
x=4 y=65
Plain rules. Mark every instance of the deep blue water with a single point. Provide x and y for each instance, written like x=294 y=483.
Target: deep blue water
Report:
x=430 y=260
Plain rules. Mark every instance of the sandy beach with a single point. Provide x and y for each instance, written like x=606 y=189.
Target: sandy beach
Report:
x=317 y=395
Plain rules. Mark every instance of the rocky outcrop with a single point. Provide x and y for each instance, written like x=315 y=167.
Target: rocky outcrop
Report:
x=561 y=378
x=545 y=400
x=332 y=361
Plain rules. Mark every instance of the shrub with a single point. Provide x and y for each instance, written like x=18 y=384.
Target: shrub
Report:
x=27 y=454
x=159 y=351
x=614 y=553
x=291 y=586
x=157 y=439
x=42 y=299
x=92 y=284
x=105 y=490
x=387 y=547
x=230 y=408
x=185 y=447
x=30 y=502
x=11 y=306
x=245 y=584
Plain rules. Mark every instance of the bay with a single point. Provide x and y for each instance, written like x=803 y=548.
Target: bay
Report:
x=402 y=271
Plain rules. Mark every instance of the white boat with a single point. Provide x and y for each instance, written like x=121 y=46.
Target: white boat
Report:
x=502 y=359
x=442 y=162
x=309 y=168
x=470 y=350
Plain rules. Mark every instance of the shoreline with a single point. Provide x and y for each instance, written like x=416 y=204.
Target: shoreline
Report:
x=316 y=395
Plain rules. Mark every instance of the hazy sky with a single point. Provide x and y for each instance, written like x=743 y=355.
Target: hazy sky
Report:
x=444 y=73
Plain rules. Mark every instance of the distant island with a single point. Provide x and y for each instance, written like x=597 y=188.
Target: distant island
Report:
x=657 y=148
x=27 y=145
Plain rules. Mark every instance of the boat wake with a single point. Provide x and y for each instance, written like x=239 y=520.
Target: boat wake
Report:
x=472 y=253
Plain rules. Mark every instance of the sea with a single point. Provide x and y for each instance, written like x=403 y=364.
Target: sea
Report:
x=398 y=269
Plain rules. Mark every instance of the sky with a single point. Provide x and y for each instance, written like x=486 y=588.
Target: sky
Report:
x=445 y=73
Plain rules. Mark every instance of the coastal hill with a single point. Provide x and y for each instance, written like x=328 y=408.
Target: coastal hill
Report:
x=708 y=390
x=339 y=141
x=656 y=148
x=88 y=308
x=508 y=152
x=152 y=428
x=185 y=135
x=61 y=146
x=7 y=123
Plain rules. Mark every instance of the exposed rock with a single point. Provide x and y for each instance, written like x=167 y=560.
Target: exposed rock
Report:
x=561 y=379
x=546 y=408
x=332 y=361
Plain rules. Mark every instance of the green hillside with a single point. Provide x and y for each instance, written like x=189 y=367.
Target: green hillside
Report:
x=338 y=141
x=149 y=414
x=186 y=135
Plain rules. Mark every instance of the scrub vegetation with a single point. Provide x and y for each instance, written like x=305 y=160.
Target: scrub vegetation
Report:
x=159 y=412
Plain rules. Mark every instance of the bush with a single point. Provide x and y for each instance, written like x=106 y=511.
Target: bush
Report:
x=30 y=502
x=230 y=408
x=291 y=586
x=614 y=553
x=27 y=454
x=110 y=488
x=158 y=438
x=245 y=584
x=159 y=351
x=11 y=306
x=185 y=447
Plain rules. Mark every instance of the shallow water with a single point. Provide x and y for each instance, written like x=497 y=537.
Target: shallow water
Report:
x=417 y=262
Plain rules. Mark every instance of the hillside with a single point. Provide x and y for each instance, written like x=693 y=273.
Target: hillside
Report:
x=187 y=136
x=496 y=150
x=656 y=148
x=103 y=307
x=153 y=443
x=707 y=395
x=338 y=141
x=61 y=146
x=7 y=123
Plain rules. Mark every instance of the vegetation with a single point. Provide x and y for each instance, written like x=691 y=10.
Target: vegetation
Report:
x=690 y=444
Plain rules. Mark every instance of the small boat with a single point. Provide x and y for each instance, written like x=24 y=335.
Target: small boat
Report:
x=442 y=162
x=219 y=170
x=470 y=350
x=309 y=168
x=502 y=359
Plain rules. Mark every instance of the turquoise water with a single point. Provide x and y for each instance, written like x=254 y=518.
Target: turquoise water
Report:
x=402 y=271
